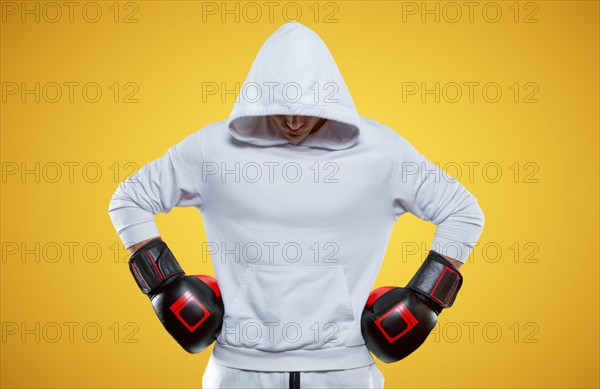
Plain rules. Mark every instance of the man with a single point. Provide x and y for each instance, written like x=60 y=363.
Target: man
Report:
x=299 y=194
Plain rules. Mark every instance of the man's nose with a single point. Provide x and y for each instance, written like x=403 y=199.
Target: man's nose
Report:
x=294 y=122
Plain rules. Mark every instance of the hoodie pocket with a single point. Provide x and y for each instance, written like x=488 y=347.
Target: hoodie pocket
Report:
x=279 y=308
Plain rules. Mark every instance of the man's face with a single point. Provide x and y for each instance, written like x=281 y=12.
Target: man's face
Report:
x=296 y=128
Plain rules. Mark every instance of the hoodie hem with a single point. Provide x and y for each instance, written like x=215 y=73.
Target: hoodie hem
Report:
x=139 y=233
x=338 y=358
x=344 y=115
x=456 y=248
x=349 y=118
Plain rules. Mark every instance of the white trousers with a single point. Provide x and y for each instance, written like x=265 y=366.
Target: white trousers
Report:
x=219 y=376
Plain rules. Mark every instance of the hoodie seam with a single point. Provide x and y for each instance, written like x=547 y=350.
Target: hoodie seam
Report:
x=203 y=183
x=393 y=179
x=346 y=110
x=345 y=115
x=288 y=351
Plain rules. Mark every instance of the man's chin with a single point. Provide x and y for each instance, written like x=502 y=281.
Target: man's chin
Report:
x=296 y=138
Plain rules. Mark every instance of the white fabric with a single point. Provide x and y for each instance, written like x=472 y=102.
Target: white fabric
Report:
x=296 y=231
x=219 y=376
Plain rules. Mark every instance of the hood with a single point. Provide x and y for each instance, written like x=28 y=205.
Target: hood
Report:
x=294 y=73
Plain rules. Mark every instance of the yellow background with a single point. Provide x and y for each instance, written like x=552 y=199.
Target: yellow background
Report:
x=543 y=297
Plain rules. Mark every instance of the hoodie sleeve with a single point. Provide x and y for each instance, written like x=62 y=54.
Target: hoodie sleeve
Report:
x=175 y=179
x=421 y=188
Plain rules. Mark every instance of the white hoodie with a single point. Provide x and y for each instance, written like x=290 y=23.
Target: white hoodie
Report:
x=296 y=231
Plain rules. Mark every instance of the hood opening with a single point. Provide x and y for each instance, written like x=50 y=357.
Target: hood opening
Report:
x=294 y=73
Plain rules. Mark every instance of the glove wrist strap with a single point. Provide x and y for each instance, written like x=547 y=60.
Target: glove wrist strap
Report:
x=153 y=266
x=437 y=281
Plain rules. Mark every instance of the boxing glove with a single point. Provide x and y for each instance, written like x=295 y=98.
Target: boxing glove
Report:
x=189 y=307
x=396 y=321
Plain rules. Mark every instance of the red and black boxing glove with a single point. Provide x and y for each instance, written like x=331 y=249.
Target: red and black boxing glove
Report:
x=396 y=321
x=189 y=307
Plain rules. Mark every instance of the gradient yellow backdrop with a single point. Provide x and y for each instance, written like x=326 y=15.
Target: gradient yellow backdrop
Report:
x=527 y=315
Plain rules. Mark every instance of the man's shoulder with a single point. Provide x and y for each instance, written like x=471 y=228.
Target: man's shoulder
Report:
x=379 y=132
x=211 y=133
x=212 y=129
